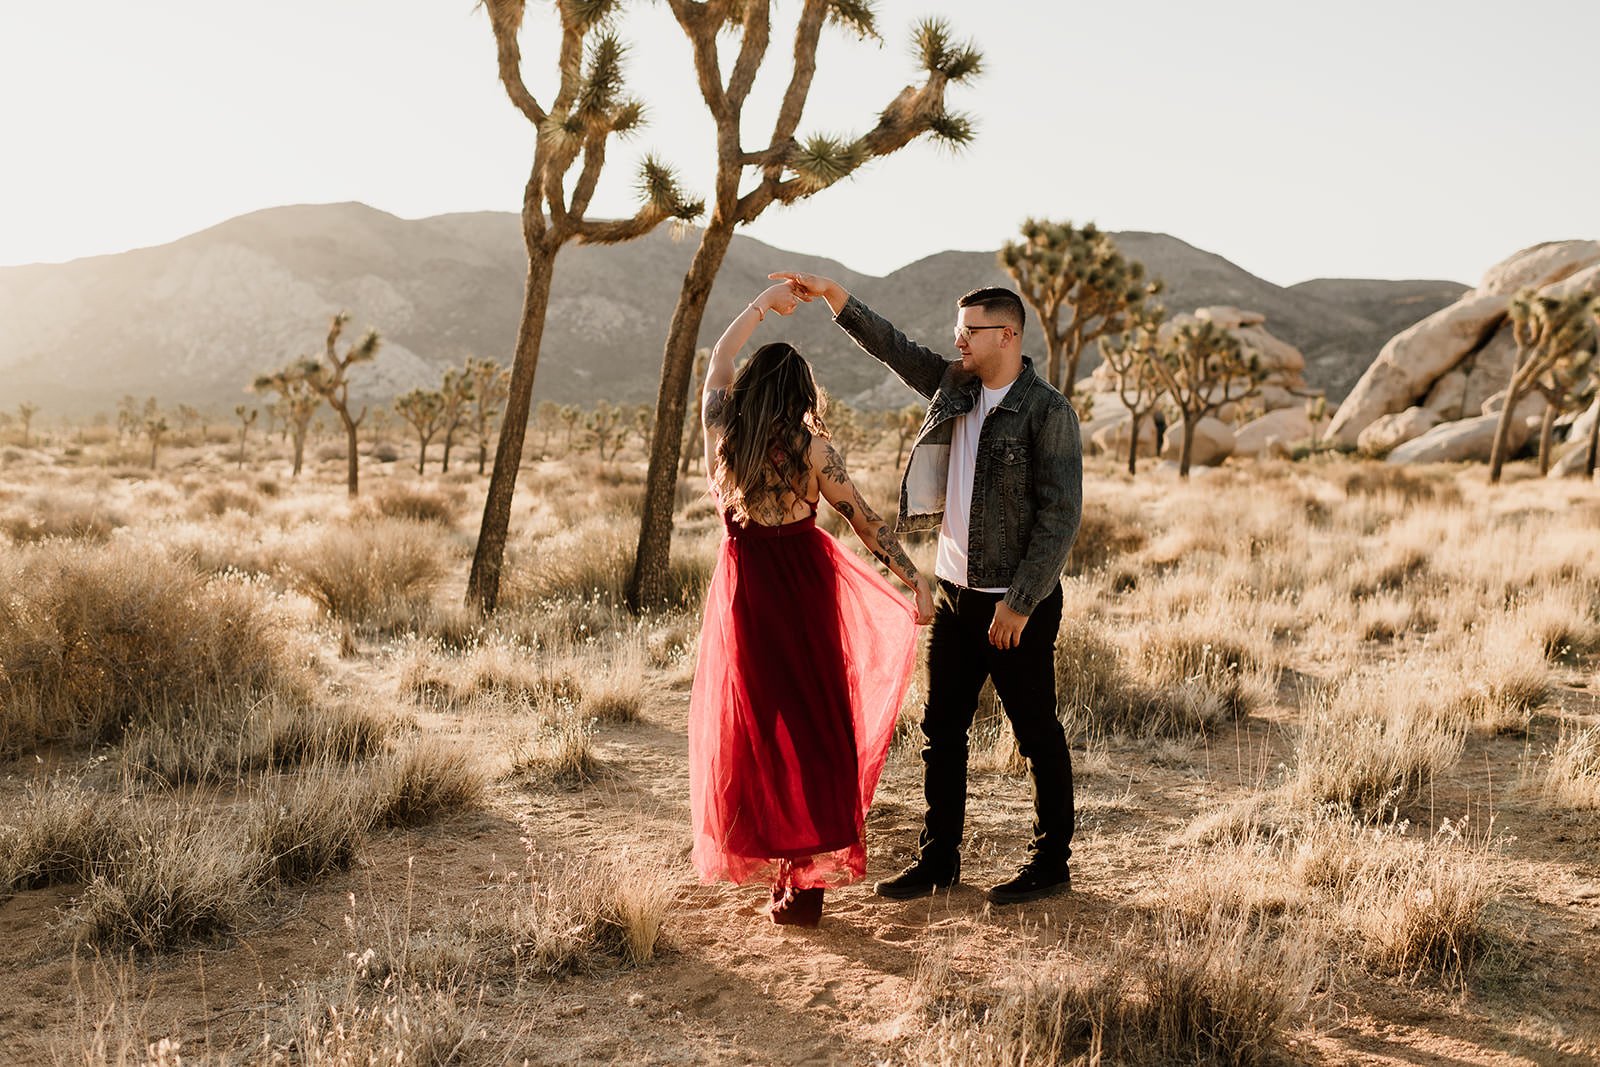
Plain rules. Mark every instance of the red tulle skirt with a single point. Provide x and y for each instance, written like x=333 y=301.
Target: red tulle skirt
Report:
x=805 y=655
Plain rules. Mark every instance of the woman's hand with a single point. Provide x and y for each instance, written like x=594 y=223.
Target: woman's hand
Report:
x=782 y=298
x=924 y=600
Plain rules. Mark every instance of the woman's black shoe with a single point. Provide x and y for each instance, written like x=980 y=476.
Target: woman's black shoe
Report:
x=920 y=879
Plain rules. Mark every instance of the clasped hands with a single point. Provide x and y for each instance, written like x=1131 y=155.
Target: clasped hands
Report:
x=783 y=298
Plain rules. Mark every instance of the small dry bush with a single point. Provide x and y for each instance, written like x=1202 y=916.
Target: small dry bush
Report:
x=593 y=560
x=94 y=639
x=351 y=1024
x=427 y=780
x=574 y=914
x=1105 y=535
x=1382 y=479
x=617 y=693
x=417 y=503
x=60 y=516
x=1209 y=671
x=1195 y=990
x=221 y=499
x=310 y=826
x=499 y=665
x=1420 y=909
x=190 y=881
x=560 y=748
x=1372 y=742
x=1571 y=778
x=268 y=735
x=378 y=574
x=63 y=832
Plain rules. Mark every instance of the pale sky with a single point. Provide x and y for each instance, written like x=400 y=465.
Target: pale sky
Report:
x=1392 y=139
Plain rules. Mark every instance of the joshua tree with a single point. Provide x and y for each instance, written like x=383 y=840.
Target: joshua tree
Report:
x=1198 y=364
x=297 y=402
x=904 y=424
x=1594 y=424
x=424 y=410
x=545 y=417
x=155 y=427
x=247 y=418
x=1132 y=357
x=457 y=393
x=1062 y=268
x=605 y=428
x=331 y=380
x=590 y=106
x=188 y=419
x=644 y=424
x=25 y=414
x=490 y=384
x=786 y=170
x=1555 y=338
x=570 y=414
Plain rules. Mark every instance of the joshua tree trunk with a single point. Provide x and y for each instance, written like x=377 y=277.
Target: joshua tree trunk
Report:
x=1546 y=425
x=352 y=461
x=655 y=529
x=483 y=583
x=1502 y=433
x=1188 y=445
x=1594 y=443
x=1133 y=443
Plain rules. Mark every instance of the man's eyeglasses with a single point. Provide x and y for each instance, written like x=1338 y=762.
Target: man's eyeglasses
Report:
x=964 y=333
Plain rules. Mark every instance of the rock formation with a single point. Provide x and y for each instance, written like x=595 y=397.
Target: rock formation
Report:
x=1453 y=362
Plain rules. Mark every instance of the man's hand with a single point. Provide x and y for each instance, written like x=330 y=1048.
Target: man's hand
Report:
x=1006 y=629
x=815 y=285
x=782 y=298
x=924 y=600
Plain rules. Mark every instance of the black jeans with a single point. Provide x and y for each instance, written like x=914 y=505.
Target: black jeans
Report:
x=960 y=659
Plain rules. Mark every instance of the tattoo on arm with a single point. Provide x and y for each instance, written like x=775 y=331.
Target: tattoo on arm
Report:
x=844 y=508
x=833 y=466
x=716 y=407
x=893 y=556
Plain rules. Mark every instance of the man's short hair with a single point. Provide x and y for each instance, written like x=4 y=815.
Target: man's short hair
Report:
x=999 y=301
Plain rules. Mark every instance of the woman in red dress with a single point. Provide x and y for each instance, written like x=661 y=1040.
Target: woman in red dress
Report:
x=805 y=651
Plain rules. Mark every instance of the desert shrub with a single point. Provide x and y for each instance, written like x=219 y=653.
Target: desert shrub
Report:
x=379 y=574
x=559 y=750
x=1206 y=672
x=94 y=639
x=617 y=692
x=1195 y=990
x=1373 y=741
x=425 y=781
x=267 y=736
x=593 y=561
x=417 y=503
x=1105 y=534
x=402 y=1022
x=61 y=516
x=311 y=826
x=191 y=881
x=63 y=832
x=1379 y=479
x=220 y=499
x=1571 y=778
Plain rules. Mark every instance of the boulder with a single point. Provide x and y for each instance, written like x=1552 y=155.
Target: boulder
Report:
x=1469 y=335
x=1387 y=432
x=1213 y=442
x=1531 y=406
x=1573 y=460
x=1414 y=359
x=1274 y=433
x=1228 y=317
x=1112 y=439
x=1448 y=396
x=1460 y=441
x=1539 y=266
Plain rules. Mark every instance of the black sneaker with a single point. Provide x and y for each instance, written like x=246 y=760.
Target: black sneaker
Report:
x=920 y=879
x=1035 y=879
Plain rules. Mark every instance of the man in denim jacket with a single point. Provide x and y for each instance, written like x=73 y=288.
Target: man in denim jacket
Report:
x=997 y=469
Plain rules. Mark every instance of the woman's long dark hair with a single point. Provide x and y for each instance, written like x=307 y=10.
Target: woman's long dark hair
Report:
x=773 y=410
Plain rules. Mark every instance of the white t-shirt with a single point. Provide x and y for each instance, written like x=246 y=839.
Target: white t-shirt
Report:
x=951 y=564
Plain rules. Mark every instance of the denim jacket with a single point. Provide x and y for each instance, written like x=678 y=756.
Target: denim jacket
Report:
x=1027 y=489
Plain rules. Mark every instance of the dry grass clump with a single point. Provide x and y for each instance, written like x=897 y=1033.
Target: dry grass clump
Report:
x=1571 y=778
x=93 y=639
x=190 y=881
x=592 y=559
x=1372 y=742
x=425 y=781
x=351 y=1024
x=576 y=914
x=1385 y=479
x=60 y=516
x=268 y=735
x=499 y=665
x=1194 y=990
x=310 y=826
x=1106 y=534
x=1208 y=670
x=378 y=574
x=618 y=692
x=1422 y=911
x=220 y=499
x=63 y=832
x=560 y=749
x=417 y=503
